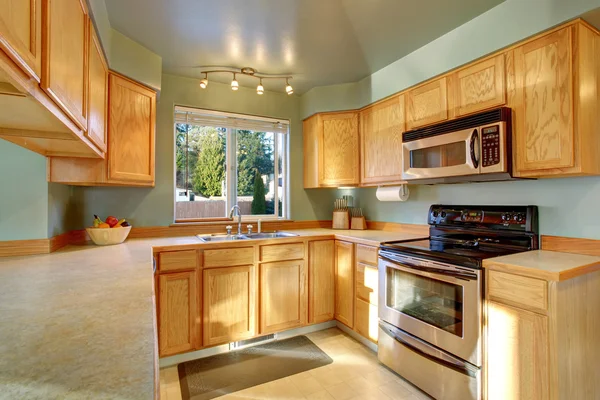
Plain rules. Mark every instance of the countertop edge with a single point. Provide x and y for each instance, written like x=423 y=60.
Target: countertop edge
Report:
x=551 y=276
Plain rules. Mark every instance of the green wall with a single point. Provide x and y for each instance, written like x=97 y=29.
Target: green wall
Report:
x=154 y=207
x=565 y=204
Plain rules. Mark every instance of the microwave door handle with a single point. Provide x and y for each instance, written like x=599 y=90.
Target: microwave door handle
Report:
x=475 y=148
x=427 y=351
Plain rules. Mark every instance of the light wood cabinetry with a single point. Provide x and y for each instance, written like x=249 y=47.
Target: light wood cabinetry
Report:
x=367 y=283
x=479 y=86
x=517 y=357
x=366 y=292
x=229 y=295
x=178 y=318
x=20 y=34
x=427 y=104
x=130 y=156
x=283 y=296
x=331 y=150
x=344 y=283
x=64 y=66
x=321 y=276
x=381 y=128
x=281 y=252
x=182 y=260
x=366 y=320
x=98 y=92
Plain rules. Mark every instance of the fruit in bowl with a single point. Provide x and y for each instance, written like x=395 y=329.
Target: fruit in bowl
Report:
x=111 y=231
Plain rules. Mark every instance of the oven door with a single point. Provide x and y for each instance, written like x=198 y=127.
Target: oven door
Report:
x=445 y=155
x=435 y=302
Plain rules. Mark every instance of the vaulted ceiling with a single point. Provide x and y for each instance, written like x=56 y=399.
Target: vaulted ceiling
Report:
x=319 y=42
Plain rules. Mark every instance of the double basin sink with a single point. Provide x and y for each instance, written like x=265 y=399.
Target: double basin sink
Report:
x=262 y=235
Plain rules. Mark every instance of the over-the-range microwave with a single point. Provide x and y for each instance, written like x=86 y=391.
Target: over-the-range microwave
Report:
x=475 y=148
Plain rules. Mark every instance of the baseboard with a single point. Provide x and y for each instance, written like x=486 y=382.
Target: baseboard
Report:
x=363 y=340
x=589 y=247
x=211 y=351
x=24 y=247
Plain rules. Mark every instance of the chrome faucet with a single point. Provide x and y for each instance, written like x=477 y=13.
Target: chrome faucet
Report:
x=239 y=214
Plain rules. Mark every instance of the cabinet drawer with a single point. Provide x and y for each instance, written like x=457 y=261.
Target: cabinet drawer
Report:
x=366 y=320
x=177 y=260
x=366 y=254
x=282 y=252
x=366 y=283
x=228 y=257
x=528 y=293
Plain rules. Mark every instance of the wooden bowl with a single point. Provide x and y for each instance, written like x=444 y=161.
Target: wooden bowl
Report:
x=108 y=236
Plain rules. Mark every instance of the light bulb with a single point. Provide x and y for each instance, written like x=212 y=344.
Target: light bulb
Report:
x=260 y=89
x=204 y=83
x=234 y=84
x=288 y=88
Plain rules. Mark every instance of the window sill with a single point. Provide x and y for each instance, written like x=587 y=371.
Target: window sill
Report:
x=226 y=221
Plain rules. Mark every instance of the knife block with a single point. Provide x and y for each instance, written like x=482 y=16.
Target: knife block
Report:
x=341 y=220
x=358 y=223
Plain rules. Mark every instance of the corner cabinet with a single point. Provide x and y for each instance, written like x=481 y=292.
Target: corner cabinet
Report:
x=20 y=34
x=64 y=67
x=381 y=128
x=331 y=150
x=131 y=133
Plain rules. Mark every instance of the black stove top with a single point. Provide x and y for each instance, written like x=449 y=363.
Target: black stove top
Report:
x=467 y=235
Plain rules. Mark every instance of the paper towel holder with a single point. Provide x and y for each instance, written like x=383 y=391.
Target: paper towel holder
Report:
x=403 y=191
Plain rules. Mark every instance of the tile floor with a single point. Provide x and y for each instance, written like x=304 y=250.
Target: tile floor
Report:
x=354 y=374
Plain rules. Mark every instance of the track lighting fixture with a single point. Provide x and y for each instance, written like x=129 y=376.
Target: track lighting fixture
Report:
x=288 y=88
x=250 y=72
x=260 y=89
x=204 y=81
x=234 y=83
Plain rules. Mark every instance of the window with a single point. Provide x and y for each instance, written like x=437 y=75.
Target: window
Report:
x=224 y=159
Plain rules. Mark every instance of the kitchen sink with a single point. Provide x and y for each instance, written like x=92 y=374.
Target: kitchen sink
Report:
x=222 y=237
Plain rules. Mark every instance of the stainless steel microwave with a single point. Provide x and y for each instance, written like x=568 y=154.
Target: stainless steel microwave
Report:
x=470 y=149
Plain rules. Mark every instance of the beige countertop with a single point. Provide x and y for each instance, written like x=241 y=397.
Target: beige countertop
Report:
x=78 y=323
x=544 y=264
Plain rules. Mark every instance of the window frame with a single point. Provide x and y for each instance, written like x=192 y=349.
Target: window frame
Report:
x=231 y=162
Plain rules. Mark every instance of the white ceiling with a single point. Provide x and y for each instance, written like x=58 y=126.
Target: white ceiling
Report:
x=319 y=42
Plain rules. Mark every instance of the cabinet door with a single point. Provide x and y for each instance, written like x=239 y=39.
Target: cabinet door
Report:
x=321 y=280
x=339 y=150
x=381 y=139
x=178 y=313
x=283 y=295
x=367 y=283
x=64 y=72
x=310 y=136
x=367 y=321
x=20 y=34
x=229 y=304
x=544 y=103
x=517 y=354
x=480 y=86
x=98 y=93
x=344 y=283
x=427 y=104
x=131 y=122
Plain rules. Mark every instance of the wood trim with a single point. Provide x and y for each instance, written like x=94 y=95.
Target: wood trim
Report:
x=24 y=247
x=590 y=247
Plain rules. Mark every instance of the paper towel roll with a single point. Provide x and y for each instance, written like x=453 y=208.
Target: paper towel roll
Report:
x=392 y=193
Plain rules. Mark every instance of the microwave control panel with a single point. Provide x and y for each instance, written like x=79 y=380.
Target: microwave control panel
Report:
x=490 y=145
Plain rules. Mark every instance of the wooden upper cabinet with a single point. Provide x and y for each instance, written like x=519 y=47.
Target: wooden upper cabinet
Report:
x=544 y=102
x=131 y=125
x=517 y=357
x=344 y=283
x=321 y=285
x=311 y=129
x=479 y=86
x=427 y=104
x=381 y=128
x=64 y=49
x=339 y=150
x=20 y=34
x=283 y=296
x=229 y=305
x=178 y=317
x=98 y=92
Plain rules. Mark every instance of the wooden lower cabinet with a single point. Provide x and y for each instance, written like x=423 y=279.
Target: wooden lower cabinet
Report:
x=366 y=321
x=283 y=296
x=344 y=283
x=321 y=277
x=179 y=322
x=517 y=354
x=229 y=304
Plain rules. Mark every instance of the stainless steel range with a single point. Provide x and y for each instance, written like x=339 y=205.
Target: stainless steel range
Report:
x=431 y=294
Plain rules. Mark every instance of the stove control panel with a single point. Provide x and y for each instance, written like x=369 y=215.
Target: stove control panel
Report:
x=523 y=218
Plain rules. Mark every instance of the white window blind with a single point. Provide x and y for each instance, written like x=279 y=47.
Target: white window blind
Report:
x=186 y=115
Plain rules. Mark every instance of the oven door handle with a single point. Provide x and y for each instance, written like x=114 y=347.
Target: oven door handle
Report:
x=458 y=275
x=426 y=350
